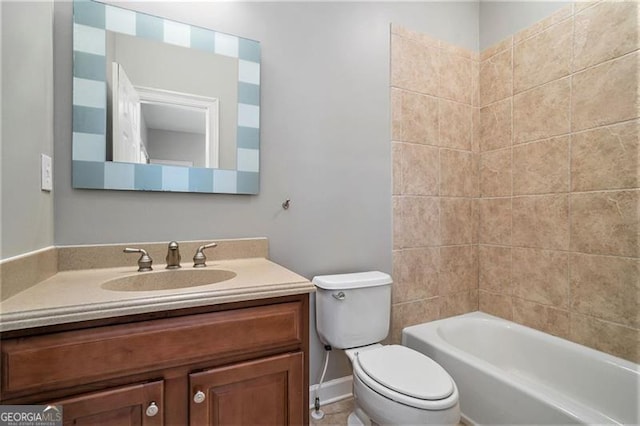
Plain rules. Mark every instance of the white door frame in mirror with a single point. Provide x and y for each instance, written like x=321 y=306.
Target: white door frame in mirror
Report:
x=188 y=101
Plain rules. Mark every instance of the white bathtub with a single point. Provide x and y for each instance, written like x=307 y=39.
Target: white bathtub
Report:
x=510 y=374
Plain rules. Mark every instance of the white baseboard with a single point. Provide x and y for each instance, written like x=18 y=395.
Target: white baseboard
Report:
x=332 y=391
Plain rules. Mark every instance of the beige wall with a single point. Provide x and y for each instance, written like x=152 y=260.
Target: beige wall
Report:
x=434 y=150
x=557 y=221
x=559 y=177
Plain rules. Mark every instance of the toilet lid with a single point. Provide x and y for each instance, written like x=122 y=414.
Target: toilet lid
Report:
x=407 y=372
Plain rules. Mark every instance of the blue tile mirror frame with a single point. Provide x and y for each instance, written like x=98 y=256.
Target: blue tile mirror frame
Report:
x=91 y=170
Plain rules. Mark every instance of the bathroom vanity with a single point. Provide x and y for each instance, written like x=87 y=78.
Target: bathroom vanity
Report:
x=233 y=352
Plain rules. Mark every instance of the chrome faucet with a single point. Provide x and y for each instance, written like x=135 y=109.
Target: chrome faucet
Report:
x=145 y=261
x=199 y=260
x=173 y=256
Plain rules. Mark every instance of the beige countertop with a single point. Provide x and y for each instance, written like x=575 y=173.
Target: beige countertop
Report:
x=77 y=295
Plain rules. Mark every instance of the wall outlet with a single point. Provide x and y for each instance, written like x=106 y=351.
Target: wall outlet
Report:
x=46 y=173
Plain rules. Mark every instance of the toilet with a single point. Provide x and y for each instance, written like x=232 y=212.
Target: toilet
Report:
x=392 y=384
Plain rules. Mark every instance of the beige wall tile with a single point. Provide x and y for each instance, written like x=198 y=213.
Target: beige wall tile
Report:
x=455 y=124
x=420 y=169
x=458 y=303
x=412 y=313
x=419 y=225
x=458 y=173
x=414 y=117
x=604 y=32
x=414 y=65
x=475 y=211
x=495 y=173
x=495 y=269
x=544 y=318
x=455 y=78
x=532 y=282
x=496 y=78
x=495 y=221
x=475 y=130
x=542 y=112
x=541 y=276
x=543 y=58
x=541 y=167
x=541 y=222
x=541 y=25
x=396 y=158
x=606 y=158
x=607 y=337
x=398 y=222
x=415 y=274
x=496 y=304
x=495 y=125
x=452 y=49
x=605 y=222
x=397 y=98
x=606 y=287
x=421 y=38
x=475 y=84
x=581 y=5
x=605 y=94
x=456 y=221
x=499 y=47
x=458 y=269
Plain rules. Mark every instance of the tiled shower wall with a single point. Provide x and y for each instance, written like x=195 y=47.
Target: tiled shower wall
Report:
x=547 y=228
x=435 y=183
x=559 y=172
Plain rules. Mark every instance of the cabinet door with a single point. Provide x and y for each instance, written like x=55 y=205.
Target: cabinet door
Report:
x=129 y=405
x=266 y=391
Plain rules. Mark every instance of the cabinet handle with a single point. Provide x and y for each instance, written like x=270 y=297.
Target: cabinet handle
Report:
x=199 y=397
x=152 y=409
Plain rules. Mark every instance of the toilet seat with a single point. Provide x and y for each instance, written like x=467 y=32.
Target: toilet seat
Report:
x=406 y=376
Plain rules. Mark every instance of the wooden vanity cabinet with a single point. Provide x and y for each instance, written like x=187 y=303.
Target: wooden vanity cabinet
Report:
x=240 y=363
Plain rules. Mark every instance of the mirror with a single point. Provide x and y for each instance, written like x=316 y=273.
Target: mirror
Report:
x=162 y=106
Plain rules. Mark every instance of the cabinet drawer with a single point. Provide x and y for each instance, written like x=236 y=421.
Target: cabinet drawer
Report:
x=83 y=356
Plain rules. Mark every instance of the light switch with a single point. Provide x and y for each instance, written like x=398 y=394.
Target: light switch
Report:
x=46 y=173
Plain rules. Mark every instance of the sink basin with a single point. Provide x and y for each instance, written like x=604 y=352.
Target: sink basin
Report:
x=168 y=280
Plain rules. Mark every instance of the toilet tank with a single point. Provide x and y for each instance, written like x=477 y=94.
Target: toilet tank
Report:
x=353 y=309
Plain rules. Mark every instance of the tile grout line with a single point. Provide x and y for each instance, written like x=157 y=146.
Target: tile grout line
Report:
x=558 y=250
x=571 y=73
x=475 y=95
x=567 y=134
x=569 y=171
x=619 y=324
x=511 y=283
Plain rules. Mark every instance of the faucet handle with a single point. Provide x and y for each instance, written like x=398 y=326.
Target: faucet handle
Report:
x=199 y=258
x=145 y=261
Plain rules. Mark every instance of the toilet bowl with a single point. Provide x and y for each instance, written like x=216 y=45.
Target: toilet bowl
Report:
x=397 y=385
x=391 y=384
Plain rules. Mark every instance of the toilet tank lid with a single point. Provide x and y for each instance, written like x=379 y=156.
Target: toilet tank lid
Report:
x=354 y=280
